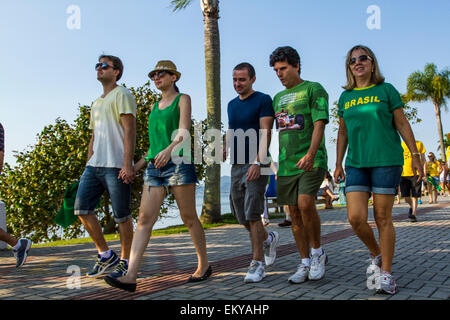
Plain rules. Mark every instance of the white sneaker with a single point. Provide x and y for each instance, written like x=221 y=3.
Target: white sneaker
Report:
x=317 y=270
x=301 y=275
x=270 y=250
x=255 y=272
x=387 y=284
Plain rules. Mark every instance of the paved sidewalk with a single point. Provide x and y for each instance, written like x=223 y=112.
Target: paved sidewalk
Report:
x=421 y=265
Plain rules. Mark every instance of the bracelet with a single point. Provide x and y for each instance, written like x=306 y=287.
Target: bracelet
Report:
x=415 y=154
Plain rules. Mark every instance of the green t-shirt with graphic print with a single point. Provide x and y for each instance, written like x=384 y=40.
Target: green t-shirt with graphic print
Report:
x=296 y=110
x=373 y=140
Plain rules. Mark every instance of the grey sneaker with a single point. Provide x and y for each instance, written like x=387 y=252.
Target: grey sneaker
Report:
x=255 y=272
x=270 y=250
x=317 y=270
x=301 y=275
x=22 y=253
x=387 y=284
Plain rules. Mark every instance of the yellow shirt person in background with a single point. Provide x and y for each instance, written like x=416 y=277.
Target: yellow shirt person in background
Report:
x=410 y=188
x=433 y=169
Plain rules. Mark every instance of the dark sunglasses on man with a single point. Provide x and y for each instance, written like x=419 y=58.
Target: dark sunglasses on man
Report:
x=103 y=66
x=361 y=58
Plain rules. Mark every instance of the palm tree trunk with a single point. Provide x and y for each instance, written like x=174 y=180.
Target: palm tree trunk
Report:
x=437 y=109
x=211 y=199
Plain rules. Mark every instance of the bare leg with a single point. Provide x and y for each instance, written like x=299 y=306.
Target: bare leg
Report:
x=258 y=235
x=6 y=237
x=94 y=229
x=357 y=211
x=126 y=238
x=299 y=232
x=151 y=202
x=382 y=208
x=311 y=219
x=185 y=197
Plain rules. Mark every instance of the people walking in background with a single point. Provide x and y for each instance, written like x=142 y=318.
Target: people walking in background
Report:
x=168 y=169
x=326 y=190
x=20 y=247
x=411 y=189
x=433 y=170
x=109 y=166
x=370 y=120
x=301 y=112
x=250 y=113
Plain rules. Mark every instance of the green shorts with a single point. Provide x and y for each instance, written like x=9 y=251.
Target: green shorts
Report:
x=290 y=187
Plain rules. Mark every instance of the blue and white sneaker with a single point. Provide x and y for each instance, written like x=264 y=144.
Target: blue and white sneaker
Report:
x=317 y=270
x=119 y=270
x=22 y=253
x=270 y=249
x=102 y=264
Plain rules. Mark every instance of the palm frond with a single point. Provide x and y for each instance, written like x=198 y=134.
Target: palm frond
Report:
x=178 y=5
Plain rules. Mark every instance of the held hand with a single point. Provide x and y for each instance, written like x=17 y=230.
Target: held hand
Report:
x=339 y=174
x=162 y=158
x=254 y=172
x=306 y=163
x=127 y=174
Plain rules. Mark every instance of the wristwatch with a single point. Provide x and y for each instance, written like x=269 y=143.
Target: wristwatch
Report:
x=257 y=163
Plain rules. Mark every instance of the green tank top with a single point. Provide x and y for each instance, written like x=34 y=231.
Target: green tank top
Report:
x=161 y=125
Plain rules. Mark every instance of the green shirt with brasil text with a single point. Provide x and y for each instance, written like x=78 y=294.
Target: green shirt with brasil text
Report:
x=296 y=110
x=373 y=140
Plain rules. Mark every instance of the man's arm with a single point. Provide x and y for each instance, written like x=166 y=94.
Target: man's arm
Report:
x=307 y=162
x=265 y=124
x=91 y=147
x=129 y=142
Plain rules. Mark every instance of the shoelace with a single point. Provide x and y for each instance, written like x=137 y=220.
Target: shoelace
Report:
x=315 y=261
x=121 y=266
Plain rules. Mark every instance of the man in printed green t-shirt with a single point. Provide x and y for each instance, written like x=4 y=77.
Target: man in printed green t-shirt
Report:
x=301 y=113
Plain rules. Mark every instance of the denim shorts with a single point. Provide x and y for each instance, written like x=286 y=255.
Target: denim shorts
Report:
x=379 y=180
x=93 y=183
x=170 y=175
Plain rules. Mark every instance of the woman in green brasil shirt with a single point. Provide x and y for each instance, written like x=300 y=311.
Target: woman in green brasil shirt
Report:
x=167 y=168
x=370 y=120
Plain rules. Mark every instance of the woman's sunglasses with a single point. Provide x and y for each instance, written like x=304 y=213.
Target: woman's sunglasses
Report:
x=159 y=74
x=103 y=66
x=361 y=58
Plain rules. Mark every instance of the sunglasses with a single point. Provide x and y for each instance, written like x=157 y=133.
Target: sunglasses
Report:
x=158 y=74
x=103 y=66
x=361 y=58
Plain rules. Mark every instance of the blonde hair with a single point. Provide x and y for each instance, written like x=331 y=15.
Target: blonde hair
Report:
x=376 y=77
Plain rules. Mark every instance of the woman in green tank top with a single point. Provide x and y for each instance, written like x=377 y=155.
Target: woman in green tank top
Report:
x=370 y=120
x=167 y=168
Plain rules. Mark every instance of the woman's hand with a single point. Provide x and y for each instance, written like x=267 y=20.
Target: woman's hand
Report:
x=339 y=174
x=162 y=158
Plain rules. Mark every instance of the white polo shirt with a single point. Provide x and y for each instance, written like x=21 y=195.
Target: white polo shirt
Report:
x=107 y=127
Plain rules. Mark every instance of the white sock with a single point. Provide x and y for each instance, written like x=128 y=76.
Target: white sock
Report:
x=125 y=260
x=318 y=251
x=105 y=254
x=258 y=262
x=306 y=262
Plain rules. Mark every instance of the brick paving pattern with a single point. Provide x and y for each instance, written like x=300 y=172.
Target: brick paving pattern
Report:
x=421 y=265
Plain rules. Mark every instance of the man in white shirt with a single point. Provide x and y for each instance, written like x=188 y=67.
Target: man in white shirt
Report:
x=109 y=166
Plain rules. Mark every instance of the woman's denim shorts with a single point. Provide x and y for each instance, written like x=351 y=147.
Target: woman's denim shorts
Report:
x=170 y=175
x=379 y=180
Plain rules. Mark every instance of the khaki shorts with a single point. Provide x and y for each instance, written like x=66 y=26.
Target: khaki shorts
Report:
x=290 y=187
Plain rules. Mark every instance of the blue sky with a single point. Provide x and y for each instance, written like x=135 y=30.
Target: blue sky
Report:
x=47 y=69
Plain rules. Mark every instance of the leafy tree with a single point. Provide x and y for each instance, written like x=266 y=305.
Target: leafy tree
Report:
x=33 y=190
x=431 y=85
x=210 y=8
